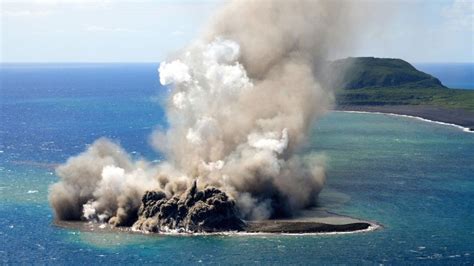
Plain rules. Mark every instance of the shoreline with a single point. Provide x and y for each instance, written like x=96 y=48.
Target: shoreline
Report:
x=458 y=118
x=324 y=223
x=257 y=228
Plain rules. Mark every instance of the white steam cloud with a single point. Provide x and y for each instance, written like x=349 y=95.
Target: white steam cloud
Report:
x=244 y=98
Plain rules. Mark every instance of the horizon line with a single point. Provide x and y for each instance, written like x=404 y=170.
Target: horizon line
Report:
x=157 y=62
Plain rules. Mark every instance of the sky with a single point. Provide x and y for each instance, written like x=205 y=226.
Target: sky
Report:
x=149 y=30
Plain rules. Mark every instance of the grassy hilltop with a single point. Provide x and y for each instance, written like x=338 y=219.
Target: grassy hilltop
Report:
x=370 y=81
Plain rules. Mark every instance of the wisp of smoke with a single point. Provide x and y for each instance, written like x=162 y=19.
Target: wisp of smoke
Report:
x=243 y=99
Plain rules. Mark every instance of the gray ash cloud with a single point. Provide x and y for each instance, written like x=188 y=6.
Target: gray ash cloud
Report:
x=243 y=99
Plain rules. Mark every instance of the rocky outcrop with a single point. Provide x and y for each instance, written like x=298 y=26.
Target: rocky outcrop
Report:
x=209 y=210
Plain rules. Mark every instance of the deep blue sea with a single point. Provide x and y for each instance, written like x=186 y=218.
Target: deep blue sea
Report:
x=413 y=177
x=452 y=75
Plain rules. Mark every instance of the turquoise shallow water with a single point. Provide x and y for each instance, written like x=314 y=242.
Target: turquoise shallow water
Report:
x=415 y=178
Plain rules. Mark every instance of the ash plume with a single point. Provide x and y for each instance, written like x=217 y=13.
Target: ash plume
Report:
x=243 y=99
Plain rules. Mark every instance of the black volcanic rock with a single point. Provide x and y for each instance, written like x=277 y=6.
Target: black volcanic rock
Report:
x=209 y=210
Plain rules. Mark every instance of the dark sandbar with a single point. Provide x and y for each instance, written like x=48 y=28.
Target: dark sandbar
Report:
x=312 y=221
x=301 y=227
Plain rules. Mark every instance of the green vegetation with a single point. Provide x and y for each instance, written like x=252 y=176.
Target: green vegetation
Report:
x=370 y=72
x=448 y=98
x=376 y=81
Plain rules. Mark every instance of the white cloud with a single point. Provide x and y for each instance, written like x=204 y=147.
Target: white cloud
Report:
x=41 y=8
x=460 y=15
x=55 y=2
x=178 y=33
x=93 y=28
x=25 y=13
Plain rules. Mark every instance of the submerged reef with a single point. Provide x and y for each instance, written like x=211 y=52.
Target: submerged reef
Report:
x=209 y=210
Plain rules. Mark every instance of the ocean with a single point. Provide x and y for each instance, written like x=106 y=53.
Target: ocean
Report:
x=415 y=178
x=452 y=75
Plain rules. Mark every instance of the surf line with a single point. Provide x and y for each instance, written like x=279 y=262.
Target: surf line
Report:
x=465 y=129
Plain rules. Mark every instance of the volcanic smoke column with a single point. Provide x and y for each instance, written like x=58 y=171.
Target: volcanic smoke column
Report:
x=242 y=102
x=239 y=134
x=244 y=98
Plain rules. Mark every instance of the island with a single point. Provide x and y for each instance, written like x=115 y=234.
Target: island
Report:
x=388 y=85
x=210 y=211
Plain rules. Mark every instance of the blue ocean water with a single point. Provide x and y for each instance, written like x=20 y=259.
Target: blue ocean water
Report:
x=452 y=75
x=413 y=177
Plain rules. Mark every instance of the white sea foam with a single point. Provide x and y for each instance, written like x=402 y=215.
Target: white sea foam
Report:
x=465 y=129
x=184 y=232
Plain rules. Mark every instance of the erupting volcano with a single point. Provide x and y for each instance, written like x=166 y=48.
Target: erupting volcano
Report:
x=243 y=98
